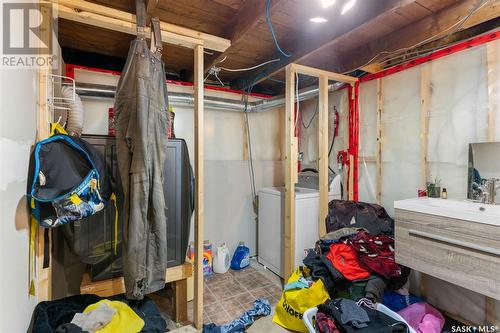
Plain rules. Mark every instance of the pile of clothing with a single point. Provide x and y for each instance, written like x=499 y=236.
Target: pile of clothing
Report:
x=91 y=313
x=345 y=315
x=355 y=261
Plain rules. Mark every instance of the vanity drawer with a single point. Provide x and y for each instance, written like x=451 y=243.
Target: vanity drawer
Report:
x=461 y=252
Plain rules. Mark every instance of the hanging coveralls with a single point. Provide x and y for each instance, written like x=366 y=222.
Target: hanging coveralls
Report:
x=142 y=121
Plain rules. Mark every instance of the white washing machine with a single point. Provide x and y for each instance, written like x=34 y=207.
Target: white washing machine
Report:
x=271 y=229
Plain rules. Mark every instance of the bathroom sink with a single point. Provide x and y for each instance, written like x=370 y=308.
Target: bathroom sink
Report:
x=458 y=209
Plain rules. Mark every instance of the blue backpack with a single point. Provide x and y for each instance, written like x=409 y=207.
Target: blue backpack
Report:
x=68 y=180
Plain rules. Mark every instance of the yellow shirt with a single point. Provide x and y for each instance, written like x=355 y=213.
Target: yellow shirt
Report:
x=125 y=320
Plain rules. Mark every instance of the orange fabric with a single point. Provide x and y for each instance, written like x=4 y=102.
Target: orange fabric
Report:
x=345 y=260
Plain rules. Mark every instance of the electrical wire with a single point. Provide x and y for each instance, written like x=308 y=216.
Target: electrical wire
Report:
x=271 y=29
x=223 y=59
x=312 y=118
x=456 y=25
x=249 y=68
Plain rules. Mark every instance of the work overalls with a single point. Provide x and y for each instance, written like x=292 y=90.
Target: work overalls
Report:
x=142 y=122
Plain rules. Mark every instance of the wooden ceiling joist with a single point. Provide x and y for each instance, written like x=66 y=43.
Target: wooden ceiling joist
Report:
x=432 y=27
x=247 y=19
x=113 y=19
x=368 y=12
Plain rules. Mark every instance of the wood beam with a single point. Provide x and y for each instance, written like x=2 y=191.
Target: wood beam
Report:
x=290 y=171
x=43 y=289
x=323 y=153
x=492 y=56
x=430 y=28
x=245 y=21
x=199 y=212
x=320 y=73
x=115 y=286
x=378 y=186
x=370 y=11
x=109 y=18
x=151 y=6
x=425 y=109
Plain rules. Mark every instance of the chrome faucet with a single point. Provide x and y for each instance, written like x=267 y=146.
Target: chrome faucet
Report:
x=489 y=190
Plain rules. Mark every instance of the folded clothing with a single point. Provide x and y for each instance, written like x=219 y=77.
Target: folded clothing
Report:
x=376 y=253
x=345 y=260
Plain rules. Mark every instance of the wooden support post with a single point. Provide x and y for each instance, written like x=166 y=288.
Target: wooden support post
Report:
x=378 y=186
x=291 y=167
x=44 y=275
x=323 y=153
x=199 y=209
x=180 y=301
x=425 y=109
x=493 y=54
x=245 y=137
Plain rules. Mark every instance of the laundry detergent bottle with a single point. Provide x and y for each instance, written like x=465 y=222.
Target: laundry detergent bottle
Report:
x=241 y=257
x=221 y=259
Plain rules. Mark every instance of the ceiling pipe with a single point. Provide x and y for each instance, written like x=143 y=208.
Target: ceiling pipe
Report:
x=217 y=103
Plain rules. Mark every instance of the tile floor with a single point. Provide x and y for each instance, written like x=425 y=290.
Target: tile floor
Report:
x=227 y=296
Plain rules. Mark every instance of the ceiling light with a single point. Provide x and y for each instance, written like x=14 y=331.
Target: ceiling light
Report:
x=318 y=19
x=347 y=6
x=327 y=3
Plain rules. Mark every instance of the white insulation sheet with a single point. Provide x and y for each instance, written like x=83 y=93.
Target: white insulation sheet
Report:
x=464 y=108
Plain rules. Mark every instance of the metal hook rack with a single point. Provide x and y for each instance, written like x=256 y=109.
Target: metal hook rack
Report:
x=55 y=102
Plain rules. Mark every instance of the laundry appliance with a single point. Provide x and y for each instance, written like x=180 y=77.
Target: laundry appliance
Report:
x=271 y=228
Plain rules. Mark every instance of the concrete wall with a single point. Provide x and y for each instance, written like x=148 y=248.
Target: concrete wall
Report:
x=18 y=99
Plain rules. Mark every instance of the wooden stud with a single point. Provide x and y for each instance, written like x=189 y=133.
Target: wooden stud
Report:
x=425 y=109
x=323 y=153
x=44 y=275
x=245 y=138
x=290 y=171
x=350 y=189
x=492 y=56
x=301 y=69
x=180 y=301
x=379 y=175
x=199 y=192
x=114 y=19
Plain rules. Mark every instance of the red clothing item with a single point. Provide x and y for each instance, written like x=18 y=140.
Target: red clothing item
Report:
x=345 y=260
x=376 y=253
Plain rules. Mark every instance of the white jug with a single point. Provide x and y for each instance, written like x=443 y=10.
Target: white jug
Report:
x=222 y=259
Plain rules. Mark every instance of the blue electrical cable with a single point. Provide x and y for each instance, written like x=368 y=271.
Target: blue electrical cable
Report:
x=268 y=20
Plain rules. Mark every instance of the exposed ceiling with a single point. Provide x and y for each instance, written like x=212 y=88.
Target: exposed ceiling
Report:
x=344 y=43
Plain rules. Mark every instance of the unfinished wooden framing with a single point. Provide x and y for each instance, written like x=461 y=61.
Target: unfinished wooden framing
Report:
x=117 y=20
x=378 y=186
x=291 y=153
x=108 y=18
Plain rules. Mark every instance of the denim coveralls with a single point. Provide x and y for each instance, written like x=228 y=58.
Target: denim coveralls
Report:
x=142 y=121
